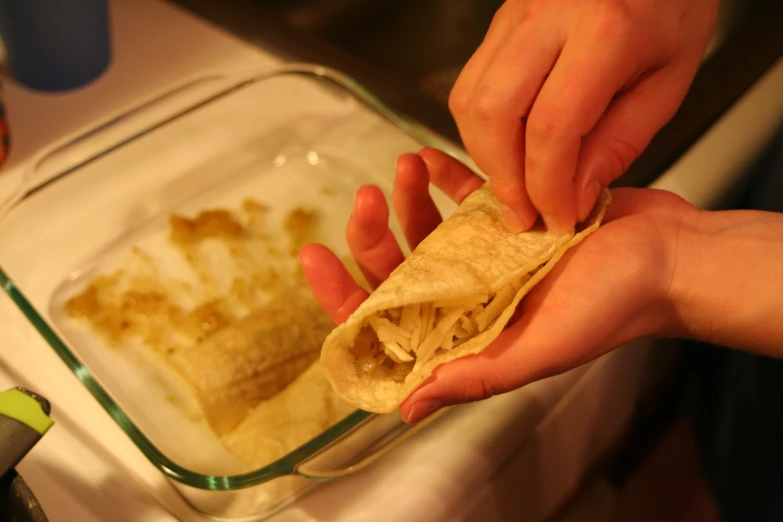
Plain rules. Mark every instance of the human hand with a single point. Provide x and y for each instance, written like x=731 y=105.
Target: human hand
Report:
x=563 y=95
x=606 y=291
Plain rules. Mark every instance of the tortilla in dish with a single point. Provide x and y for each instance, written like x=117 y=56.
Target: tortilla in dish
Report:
x=254 y=358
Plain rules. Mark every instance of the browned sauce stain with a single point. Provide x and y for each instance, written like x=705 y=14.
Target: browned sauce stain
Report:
x=121 y=307
x=218 y=224
x=301 y=225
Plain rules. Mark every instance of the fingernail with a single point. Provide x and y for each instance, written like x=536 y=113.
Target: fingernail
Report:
x=514 y=222
x=589 y=197
x=423 y=409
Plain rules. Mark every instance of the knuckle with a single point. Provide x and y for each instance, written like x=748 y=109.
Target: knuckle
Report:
x=458 y=101
x=502 y=11
x=533 y=7
x=520 y=12
x=516 y=9
x=487 y=103
x=546 y=126
x=622 y=153
x=612 y=19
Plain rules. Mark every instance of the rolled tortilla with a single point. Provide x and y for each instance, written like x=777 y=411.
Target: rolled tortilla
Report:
x=450 y=298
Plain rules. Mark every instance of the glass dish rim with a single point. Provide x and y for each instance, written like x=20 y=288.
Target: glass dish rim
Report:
x=288 y=464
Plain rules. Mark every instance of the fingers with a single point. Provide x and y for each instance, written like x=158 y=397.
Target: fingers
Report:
x=624 y=131
x=572 y=100
x=492 y=126
x=369 y=238
x=415 y=209
x=455 y=179
x=333 y=287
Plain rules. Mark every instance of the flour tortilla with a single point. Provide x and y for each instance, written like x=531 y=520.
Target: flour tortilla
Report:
x=277 y=426
x=282 y=423
x=470 y=261
x=253 y=358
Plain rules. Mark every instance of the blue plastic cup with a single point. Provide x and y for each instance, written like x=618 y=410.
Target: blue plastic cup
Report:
x=55 y=45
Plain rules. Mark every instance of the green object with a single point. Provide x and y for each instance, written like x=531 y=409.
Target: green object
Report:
x=25 y=409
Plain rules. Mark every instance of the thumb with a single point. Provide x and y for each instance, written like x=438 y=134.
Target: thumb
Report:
x=546 y=339
x=514 y=359
x=624 y=131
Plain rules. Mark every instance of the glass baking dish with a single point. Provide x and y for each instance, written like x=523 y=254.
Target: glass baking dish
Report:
x=299 y=136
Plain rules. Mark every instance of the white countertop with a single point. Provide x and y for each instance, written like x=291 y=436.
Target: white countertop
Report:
x=85 y=469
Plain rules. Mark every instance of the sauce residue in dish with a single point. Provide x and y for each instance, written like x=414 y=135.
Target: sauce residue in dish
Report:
x=138 y=302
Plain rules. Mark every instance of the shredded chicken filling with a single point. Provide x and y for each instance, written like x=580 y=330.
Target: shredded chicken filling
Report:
x=400 y=340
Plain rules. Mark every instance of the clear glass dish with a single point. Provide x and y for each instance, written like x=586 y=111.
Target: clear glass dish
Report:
x=298 y=135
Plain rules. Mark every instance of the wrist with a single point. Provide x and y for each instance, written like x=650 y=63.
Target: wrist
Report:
x=727 y=281
x=679 y=301
x=665 y=235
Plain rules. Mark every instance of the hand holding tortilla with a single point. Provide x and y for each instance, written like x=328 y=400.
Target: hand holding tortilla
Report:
x=534 y=346
x=562 y=95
